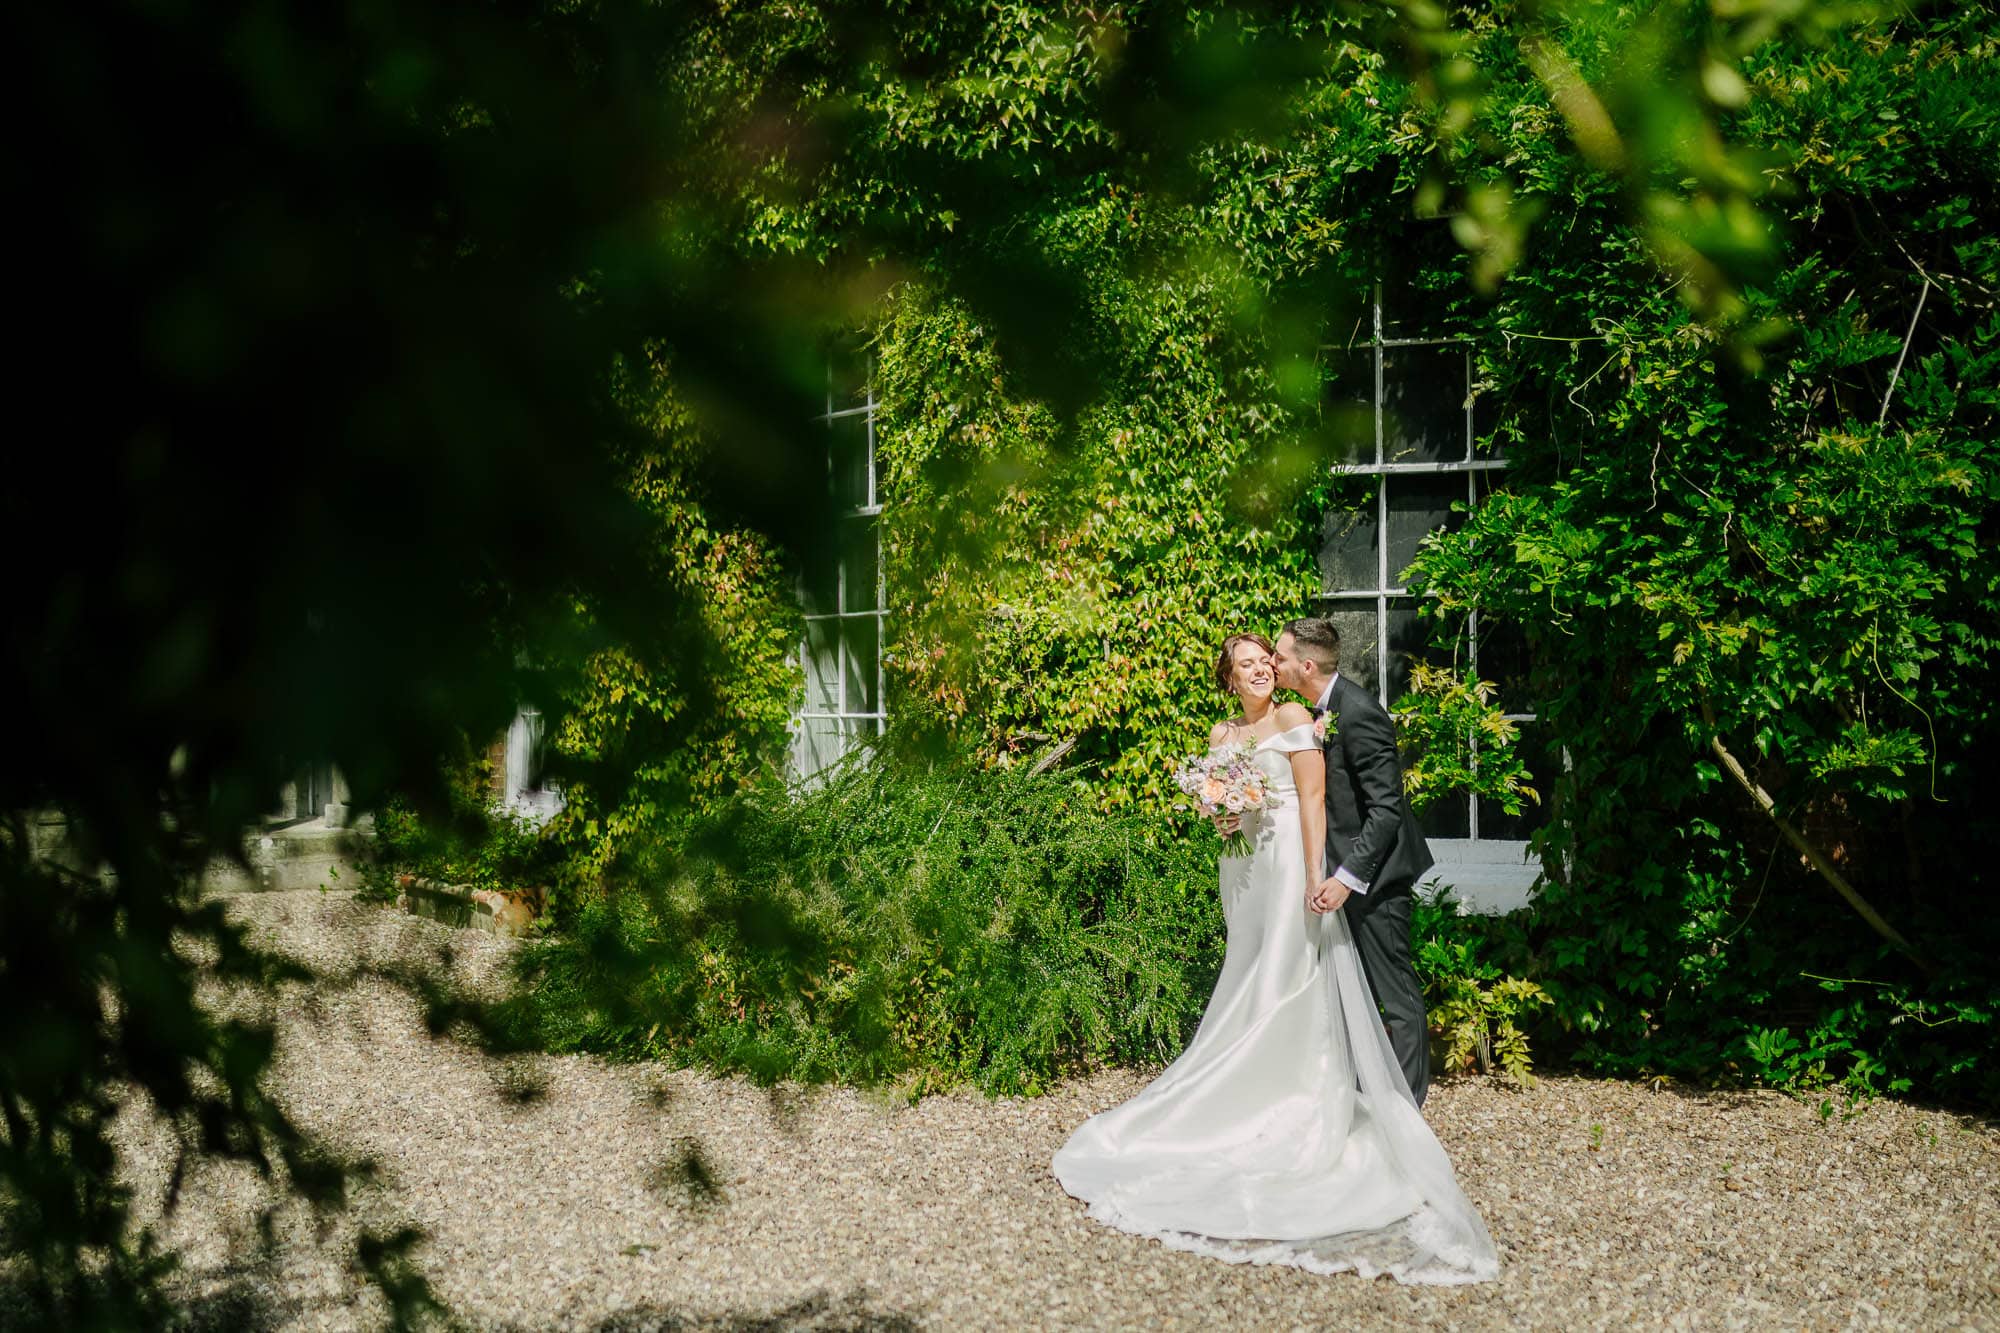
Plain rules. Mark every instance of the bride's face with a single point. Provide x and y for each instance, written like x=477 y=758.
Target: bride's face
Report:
x=1255 y=678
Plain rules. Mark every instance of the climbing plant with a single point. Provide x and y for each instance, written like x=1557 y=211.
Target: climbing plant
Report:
x=1760 y=589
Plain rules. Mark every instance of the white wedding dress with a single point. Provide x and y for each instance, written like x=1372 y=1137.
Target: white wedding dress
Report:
x=1285 y=1133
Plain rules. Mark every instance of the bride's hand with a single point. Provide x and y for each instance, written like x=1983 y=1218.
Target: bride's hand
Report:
x=1330 y=896
x=1226 y=824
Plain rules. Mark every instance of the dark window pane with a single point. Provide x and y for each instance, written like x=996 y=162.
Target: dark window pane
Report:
x=1485 y=423
x=848 y=446
x=1484 y=484
x=1448 y=816
x=1356 y=623
x=822 y=666
x=1421 y=273
x=1350 y=549
x=1503 y=659
x=819 y=583
x=848 y=368
x=1423 y=404
x=1413 y=636
x=861 y=633
x=858 y=565
x=1348 y=407
x=1419 y=503
x=1543 y=766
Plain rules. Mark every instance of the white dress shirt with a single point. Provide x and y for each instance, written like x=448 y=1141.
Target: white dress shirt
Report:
x=1341 y=873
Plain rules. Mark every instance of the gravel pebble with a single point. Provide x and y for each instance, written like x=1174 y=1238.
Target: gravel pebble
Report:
x=553 y=1194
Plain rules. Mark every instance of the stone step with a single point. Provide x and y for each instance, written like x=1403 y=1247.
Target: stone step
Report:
x=295 y=856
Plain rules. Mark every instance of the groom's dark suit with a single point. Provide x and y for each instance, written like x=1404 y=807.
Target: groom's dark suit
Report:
x=1370 y=831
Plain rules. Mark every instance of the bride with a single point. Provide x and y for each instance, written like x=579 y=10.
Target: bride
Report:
x=1285 y=1133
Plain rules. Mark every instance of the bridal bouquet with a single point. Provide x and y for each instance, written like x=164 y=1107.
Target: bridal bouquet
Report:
x=1223 y=782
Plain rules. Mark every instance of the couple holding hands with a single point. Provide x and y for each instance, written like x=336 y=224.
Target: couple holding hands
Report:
x=1289 y=1131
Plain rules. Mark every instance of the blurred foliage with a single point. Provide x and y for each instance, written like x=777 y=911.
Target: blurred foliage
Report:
x=341 y=312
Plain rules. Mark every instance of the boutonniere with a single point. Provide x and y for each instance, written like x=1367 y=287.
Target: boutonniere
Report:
x=1319 y=728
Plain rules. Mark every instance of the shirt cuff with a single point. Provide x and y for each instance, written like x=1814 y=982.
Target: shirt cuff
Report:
x=1350 y=879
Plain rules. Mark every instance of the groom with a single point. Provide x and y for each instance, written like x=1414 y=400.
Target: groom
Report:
x=1374 y=849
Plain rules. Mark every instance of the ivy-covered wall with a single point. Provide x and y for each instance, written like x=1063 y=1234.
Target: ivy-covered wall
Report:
x=1748 y=521
x=1747 y=530
x=646 y=736
x=1054 y=586
x=1754 y=559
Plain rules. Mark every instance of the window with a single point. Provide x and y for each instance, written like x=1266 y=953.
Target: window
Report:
x=1404 y=412
x=315 y=792
x=524 y=790
x=842 y=652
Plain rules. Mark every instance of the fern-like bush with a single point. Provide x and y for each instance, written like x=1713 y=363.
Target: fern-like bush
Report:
x=915 y=924
x=1476 y=1009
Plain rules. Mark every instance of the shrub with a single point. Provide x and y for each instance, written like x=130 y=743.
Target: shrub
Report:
x=1472 y=1002
x=930 y=924
x=473 y=843
x=925 y=923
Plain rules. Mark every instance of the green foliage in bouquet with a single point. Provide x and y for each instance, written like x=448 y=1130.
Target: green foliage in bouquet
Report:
x=916 y=926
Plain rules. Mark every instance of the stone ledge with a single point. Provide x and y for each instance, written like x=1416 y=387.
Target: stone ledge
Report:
x=1485 y=878
x=465 y=907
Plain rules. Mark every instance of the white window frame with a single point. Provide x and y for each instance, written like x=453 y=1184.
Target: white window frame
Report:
x=1503 y=861
x=853 y=722
x=524 y=790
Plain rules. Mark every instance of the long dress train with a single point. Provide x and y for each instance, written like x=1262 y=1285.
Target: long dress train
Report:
x=1284 y=1133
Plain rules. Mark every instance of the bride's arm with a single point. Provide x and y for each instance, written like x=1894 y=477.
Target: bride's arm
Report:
x=1218 y=735
x=1309 y=772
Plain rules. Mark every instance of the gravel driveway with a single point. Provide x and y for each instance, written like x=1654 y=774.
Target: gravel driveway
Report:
x=554 y=1194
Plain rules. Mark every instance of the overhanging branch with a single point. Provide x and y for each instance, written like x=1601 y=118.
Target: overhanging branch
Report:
x=1827 y=870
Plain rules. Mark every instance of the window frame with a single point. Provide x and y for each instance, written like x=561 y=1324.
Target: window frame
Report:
x=851 y=723
x=1384 y=592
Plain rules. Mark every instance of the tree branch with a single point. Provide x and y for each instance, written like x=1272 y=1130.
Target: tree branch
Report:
x=1826 y=868
x=1052 y=758
x=1914 y=317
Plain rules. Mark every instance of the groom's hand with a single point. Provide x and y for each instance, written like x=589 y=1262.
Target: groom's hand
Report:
x=1330 y=895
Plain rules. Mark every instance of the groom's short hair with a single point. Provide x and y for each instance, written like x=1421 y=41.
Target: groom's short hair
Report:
x=1317 y=638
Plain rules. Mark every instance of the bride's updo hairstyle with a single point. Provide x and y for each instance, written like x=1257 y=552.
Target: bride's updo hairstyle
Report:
x=1225 y=662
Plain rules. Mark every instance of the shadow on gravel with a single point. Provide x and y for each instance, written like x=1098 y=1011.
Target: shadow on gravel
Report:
x=688 y=1178
x=243 y=1300
x=823 y=1314
x=1826 y=1103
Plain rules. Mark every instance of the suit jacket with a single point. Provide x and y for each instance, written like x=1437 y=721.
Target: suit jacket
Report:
x=1369 y=826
